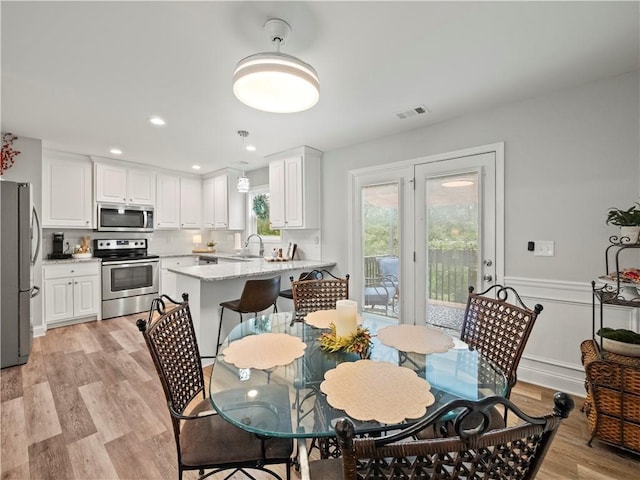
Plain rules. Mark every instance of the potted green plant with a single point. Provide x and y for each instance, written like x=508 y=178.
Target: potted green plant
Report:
x=210 y=246
x=628 y=220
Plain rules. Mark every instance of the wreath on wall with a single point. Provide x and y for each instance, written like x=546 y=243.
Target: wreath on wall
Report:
x=261 y=206
x=9 y=154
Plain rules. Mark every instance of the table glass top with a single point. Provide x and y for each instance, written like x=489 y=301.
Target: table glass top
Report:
x=286 y=400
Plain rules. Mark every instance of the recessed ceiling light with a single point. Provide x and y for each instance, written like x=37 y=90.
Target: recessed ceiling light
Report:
x=116 y=151
x=155 y=120
x=195 y=167
x=251 y=148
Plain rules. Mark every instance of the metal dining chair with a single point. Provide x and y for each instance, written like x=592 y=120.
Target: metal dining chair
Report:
x=499 y=330
x=312 y=275
x=473 y=452
x=313 y=295
x=204 y=440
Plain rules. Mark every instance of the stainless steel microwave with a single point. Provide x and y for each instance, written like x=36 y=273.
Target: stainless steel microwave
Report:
x=125 y=218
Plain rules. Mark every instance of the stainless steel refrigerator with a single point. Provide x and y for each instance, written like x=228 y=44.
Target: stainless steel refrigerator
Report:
x=19 y=230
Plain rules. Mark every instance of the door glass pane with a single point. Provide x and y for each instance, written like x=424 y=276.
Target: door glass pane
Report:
x=452 y=232
x=380 y=222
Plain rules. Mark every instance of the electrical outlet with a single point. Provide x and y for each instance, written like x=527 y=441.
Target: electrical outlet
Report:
x=544 y=248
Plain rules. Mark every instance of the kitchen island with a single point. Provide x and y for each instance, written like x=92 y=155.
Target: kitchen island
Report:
x=210 y=285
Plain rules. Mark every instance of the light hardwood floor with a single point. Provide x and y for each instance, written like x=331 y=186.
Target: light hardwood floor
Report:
x=89 y=405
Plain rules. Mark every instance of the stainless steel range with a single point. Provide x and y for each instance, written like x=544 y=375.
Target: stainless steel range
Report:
x=130 y=278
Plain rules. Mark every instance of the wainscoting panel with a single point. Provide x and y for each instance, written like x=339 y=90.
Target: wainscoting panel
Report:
x=552 y=355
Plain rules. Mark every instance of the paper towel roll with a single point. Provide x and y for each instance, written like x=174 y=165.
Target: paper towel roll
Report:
x=237 y=241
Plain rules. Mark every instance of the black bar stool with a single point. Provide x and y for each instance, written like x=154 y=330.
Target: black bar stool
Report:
x=257 y=295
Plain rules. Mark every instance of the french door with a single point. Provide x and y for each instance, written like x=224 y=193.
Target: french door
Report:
x=455 y=236
x=426 y=230
x=383 y=245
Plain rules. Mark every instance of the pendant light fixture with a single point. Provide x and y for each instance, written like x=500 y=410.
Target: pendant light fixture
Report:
x=273 y=81
x=243 y=184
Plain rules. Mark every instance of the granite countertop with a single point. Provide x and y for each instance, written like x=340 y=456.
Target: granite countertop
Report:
x=247 y=268
x=47 y=261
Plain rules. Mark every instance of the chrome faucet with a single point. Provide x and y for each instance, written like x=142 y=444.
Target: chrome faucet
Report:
x=246 y=243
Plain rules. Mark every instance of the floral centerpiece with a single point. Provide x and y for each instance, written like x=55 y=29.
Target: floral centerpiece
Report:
x=359 y=342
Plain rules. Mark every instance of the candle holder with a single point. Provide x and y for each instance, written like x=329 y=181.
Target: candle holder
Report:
x=359 y=342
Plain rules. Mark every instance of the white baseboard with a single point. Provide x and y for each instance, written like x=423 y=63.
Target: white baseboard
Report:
x=552 y=356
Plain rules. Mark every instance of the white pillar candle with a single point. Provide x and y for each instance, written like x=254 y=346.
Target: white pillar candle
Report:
x=346 y=323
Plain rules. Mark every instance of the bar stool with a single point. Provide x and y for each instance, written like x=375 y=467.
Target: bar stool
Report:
x=257 y=295
x=313 y=275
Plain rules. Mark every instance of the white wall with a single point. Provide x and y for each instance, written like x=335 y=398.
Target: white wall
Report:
x=28 y=168
x=569 y=156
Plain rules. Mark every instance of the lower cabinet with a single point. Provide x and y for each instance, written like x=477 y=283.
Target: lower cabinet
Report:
x=168 y=279
x=71 y=291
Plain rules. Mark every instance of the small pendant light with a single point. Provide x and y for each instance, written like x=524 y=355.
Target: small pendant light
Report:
x=243 y=184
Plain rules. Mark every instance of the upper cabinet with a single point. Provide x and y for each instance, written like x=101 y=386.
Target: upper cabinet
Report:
x=223 y=205
x=66 y=190
x=119 y=184
x=294 y=188
x=167 y=214
x=190 y=202
x=208 y=218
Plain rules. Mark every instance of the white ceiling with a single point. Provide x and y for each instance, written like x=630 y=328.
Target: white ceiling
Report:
x=85 y=76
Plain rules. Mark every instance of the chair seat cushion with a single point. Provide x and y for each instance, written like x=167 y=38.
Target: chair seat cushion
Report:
x=380 y=295
x=211 y=440
x=286 y=294
x=232 y=305
x=330 y=468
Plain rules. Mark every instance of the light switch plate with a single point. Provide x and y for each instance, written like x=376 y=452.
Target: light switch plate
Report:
x=544 y=248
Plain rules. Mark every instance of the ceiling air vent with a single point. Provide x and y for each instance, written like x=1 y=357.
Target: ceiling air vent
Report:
x=412 y=112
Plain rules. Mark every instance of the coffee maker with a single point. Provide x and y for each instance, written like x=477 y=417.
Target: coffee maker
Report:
x=58 y=247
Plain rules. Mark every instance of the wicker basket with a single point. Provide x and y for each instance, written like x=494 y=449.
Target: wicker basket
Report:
x=612 y=404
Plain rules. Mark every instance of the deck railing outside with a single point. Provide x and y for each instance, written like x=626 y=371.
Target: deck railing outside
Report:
x=451 y=271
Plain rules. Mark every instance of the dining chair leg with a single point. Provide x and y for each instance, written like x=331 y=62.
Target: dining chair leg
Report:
x=219 y=331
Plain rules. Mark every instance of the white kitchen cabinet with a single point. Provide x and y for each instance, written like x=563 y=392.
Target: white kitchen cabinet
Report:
x=223 y=206
x=71 y=291
x=208 y=217
x=124 y=185
x=167 y=213
x=294 y=188
x=141 y=186
x=66 y=190
x=168 y=279
x=190 y=202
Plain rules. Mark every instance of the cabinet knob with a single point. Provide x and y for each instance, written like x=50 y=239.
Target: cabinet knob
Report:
x=72 y=271
x=69 y=283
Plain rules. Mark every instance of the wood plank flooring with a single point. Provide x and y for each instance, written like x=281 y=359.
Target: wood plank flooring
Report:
x=89 y=405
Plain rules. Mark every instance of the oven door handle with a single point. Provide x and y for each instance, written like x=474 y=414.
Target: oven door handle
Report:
x=130 y=263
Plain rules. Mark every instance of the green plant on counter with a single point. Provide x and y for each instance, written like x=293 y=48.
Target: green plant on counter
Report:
x=359 y=342
x=211 y=244
x=621 y=335
x=624 y=218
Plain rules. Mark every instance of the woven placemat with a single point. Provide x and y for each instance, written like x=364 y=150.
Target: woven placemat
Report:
x=381 y=391
x=415 y=338
x=264 y=351
x=323 y=318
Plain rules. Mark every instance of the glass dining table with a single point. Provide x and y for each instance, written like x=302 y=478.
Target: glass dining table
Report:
x=286 y=400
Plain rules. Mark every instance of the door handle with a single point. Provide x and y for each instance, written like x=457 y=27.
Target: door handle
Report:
x=487 y=278
x=488 y=263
